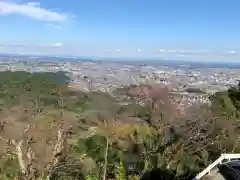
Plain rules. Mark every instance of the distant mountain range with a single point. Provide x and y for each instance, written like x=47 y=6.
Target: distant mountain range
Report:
x=150 y=62
x=40 y=57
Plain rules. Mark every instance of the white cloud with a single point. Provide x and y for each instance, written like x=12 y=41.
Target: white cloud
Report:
x=182 y=51
x=180 y=55
x=192 y=51
x=57 y=45
x=162 y=51
x=34 y=4
x=232 y=52
x=172 y=51
x=55 y=26
x=32 y=45
x=32 y=10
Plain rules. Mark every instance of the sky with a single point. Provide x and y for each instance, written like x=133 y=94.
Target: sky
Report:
x=163 y=29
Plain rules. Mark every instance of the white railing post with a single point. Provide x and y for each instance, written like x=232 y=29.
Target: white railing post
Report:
x=215 y=163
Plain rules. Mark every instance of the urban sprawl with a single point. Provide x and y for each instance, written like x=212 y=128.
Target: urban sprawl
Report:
x=107 y=76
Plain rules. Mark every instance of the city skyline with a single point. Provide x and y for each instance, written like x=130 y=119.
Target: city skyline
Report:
x=188 y=30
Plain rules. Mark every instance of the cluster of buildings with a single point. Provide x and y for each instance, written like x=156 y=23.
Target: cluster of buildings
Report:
x=107 y=76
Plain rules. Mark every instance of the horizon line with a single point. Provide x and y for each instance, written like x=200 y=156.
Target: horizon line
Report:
x=99 y=58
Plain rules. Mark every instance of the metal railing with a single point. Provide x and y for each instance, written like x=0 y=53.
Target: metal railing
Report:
x=215 y=163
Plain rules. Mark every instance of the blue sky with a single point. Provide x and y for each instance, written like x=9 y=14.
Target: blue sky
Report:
x=170 y=29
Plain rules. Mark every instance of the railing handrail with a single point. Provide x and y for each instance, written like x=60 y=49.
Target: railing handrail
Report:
x=231 y=156
x=218 y=161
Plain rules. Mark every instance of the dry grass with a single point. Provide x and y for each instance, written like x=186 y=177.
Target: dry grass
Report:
x=38 y=141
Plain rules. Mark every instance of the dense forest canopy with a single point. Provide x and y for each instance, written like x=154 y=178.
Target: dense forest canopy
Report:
x=16 y=86
x=227 y=102
x=49 y=131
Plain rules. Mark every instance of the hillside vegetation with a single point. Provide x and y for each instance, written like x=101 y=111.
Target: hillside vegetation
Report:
x=48 y=131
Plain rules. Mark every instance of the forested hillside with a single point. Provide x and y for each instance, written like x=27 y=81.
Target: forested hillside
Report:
x=49 y=131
